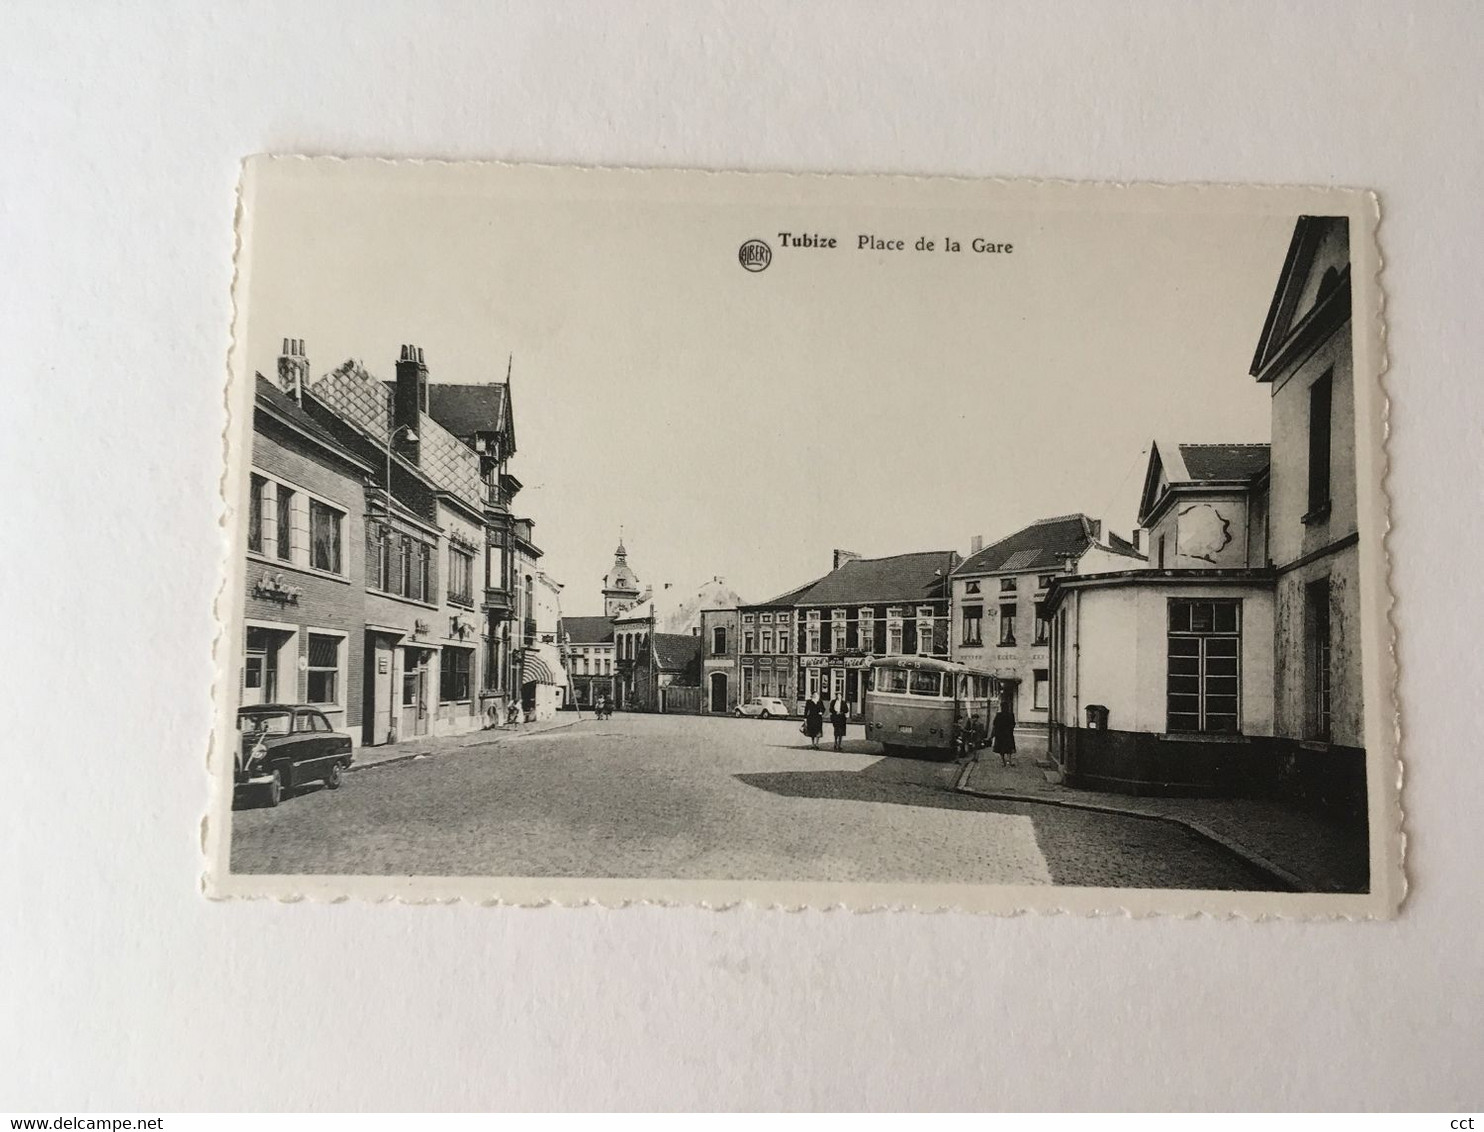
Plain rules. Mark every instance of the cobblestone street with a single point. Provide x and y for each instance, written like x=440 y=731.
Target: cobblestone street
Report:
x=690 y=798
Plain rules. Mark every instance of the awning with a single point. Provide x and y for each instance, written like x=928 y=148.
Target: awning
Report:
x=540 y=664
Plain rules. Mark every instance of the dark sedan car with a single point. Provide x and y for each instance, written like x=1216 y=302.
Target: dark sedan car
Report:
x=286 y=745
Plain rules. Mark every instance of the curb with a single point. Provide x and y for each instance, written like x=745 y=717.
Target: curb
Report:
x=501 y=737
x=1286 y=879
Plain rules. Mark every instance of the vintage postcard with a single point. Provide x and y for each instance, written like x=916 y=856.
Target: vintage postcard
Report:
x=606 y=535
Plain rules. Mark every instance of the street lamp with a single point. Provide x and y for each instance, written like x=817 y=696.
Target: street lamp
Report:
x=411 y=435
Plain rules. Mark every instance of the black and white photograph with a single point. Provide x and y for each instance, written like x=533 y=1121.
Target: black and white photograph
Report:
x=620 y=535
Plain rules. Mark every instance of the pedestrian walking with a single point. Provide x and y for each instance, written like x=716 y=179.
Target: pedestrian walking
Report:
x=813 y=720
x=839 y=718
x=1002 y=736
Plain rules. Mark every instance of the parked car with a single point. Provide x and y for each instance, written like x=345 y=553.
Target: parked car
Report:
x=766 y=708
x=282 y=746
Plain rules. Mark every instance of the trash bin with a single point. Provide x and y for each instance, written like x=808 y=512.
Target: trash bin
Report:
x=1097 y=717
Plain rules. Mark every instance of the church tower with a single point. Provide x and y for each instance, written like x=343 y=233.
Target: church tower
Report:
x=620 y=586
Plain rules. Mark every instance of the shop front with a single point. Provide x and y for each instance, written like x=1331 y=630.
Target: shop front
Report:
x=832 y=677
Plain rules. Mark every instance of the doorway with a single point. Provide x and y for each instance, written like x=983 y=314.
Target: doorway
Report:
x=414 y=693
x=268 y=676
x=719 y=692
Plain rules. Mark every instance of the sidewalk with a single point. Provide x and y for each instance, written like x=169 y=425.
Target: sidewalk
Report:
x=425 y=745
x=1305 y=850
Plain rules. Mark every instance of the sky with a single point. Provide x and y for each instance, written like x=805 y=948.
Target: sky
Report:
x=743 y=425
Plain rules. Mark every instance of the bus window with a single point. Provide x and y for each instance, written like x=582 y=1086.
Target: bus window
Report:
x=925 y=683
x=892 y=680
x=964 y=681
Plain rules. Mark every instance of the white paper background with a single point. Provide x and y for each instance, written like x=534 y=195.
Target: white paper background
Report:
x=122 y=989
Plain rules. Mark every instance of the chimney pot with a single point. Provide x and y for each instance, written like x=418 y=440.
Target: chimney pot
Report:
x=976 y=544
x=419 y=355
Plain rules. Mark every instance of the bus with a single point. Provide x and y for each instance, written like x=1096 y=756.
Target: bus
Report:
x=920 y=703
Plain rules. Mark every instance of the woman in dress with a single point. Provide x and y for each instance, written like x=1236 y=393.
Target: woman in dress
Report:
x=1002 y=735
x=839 y=718
x=814 y=720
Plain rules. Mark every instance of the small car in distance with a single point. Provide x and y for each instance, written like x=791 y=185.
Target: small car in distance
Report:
x=768 y=707
x=281 y=746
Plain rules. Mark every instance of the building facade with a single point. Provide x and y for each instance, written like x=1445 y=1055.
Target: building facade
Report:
x=720 y=648
x=588 y=649
x=1234 y=664
x=424 y=545
x=1304 y=357
x=1161 y=675
x=819 y=639
x=997 y=622
x=304 y=617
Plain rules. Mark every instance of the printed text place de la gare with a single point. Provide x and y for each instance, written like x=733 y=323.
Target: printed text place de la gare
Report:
x=869 y=242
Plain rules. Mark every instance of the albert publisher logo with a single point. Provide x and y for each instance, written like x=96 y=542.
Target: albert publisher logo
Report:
x=755 y=255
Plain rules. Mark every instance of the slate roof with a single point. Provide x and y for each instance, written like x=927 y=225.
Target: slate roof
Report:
x=1045 y=544
x=285 y=406
x=1205 y=462
x=674 y=652
x=467 y=409
x=921 y=576
x=587 y=630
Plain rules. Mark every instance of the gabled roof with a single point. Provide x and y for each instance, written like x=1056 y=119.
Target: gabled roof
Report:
x=676 y=651
x=1284 y=324
x=1044 y=545
x=921 y=576
x=279 y=403
x=586 y=630
x=1174 y=465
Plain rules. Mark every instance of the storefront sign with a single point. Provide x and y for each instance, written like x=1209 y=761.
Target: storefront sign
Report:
x=271 y=587
x=857 y=661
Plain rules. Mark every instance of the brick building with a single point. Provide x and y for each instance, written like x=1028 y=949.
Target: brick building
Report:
x=434 y=608
x=820 y=637
x=304 y=622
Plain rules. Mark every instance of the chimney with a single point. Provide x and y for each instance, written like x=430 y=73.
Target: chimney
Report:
x=976 y=544
x=410 y=400
x=842 y=557
x=293 y=369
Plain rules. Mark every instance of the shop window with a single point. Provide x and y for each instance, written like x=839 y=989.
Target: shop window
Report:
x=324 y=536
x=1203 y=681
x=453 y=675
x=1007 y=626
x=973 y=634
x=255 y=514
x=324 y=669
